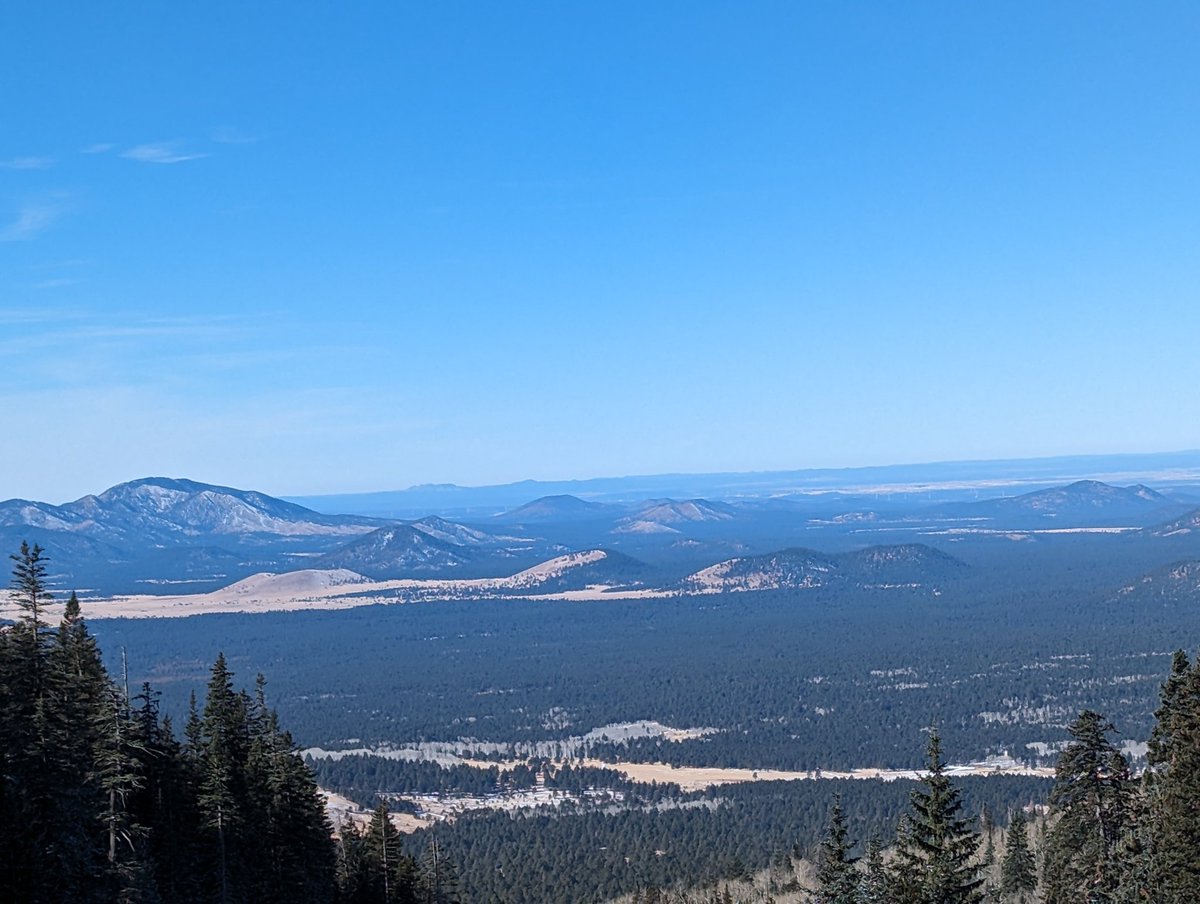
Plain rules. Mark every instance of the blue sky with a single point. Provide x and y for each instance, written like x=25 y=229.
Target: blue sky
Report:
x=315 y=248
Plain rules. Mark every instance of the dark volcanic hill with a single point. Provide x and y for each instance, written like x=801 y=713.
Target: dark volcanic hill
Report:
x=397 y=551
x=669 y=515
x=877 y=567
x=557 y=508
x=460 y=534
x=580 y=570
x=788 y=568
x=905 y=564
x=1083 y=502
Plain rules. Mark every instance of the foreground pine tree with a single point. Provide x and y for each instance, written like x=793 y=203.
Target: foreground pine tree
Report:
x=438 y=878
x=837 y=879
x=51 y=806
x=373 y=867
x=100 y=803
x=1018 y=869
x=1091 y=802
x=936 y=846
x=1172 y=826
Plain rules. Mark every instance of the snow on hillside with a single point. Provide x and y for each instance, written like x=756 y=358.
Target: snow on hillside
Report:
x=308 y=580
x=552 y=568
x=669 y=511
x=644 y=527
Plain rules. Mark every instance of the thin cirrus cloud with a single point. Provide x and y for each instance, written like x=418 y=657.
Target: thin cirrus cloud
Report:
x=57 y=282
x=27 y=163
x=101 y=147
x=161 y=152
x=31 y=220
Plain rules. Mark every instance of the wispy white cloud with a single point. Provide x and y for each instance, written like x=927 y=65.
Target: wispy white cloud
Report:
x=63 y=263
x=36 y=315
x=112 y=330
x=56 y=283
x=31 y=220
x=162 y=152
x=231 y=135
x=27 y=163
x=101 y=147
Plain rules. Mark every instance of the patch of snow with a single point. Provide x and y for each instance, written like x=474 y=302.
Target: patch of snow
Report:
x=307 y=580
x=552 y=568
x=644 y=527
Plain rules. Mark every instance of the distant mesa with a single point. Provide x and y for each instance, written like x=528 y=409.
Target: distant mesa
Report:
x=557 y=508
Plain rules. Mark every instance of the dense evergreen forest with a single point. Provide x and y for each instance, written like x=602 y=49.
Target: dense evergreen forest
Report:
x=706 y=838
x=100 y=801
x=1001 y=658
x=1102 y=834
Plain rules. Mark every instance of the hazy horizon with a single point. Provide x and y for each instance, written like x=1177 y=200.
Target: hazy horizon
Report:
x=1182 y=467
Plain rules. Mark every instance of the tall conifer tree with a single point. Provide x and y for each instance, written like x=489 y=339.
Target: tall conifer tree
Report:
x=1091 y=800
x=1171 y=833
x=1018 y=869
x=937 y=847
x=837 y=879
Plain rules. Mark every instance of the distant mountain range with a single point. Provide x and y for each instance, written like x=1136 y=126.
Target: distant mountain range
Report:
x=166 y=534
x=161 y=532
x=932 y=482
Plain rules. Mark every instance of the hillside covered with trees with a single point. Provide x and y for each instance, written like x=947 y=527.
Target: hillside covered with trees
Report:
x=101 y=801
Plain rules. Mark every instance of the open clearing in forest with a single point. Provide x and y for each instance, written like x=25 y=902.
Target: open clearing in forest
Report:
x=434 y=808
